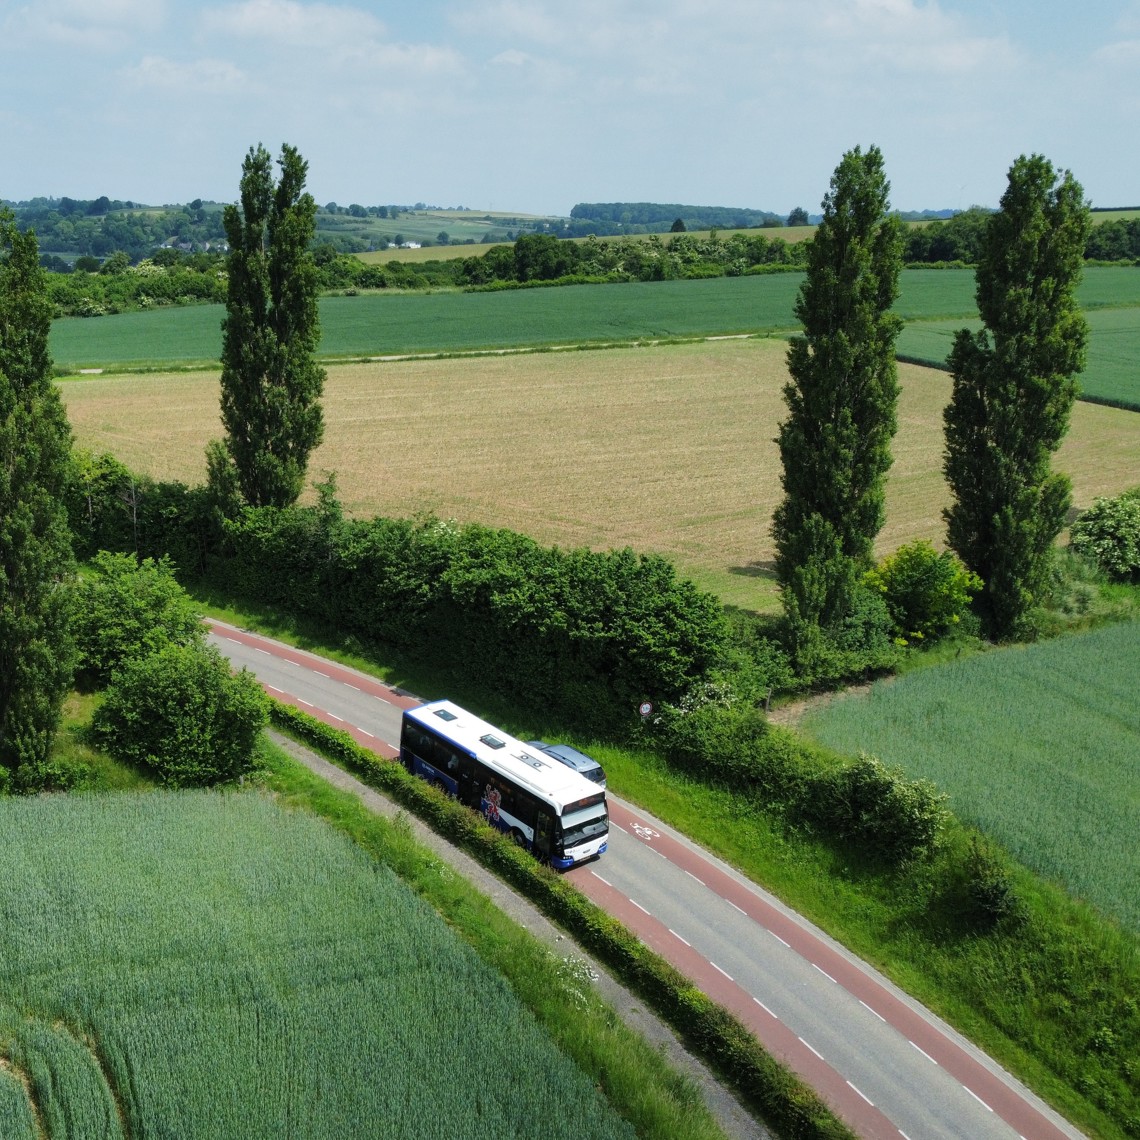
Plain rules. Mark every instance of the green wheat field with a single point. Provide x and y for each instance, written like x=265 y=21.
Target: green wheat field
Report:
x=212 y=966
x=1038 y=745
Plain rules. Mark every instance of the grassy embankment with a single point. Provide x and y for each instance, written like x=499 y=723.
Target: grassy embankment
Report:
x=1067 y=802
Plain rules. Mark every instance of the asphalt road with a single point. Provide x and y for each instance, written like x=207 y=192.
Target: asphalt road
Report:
x=884 y=1064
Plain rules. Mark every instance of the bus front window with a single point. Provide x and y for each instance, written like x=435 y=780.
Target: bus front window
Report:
x=582 y=826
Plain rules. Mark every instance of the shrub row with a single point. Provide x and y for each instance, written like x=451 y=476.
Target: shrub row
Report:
x=585 y=636
x=588 y=634
x=768 y=1088
x=889 y=818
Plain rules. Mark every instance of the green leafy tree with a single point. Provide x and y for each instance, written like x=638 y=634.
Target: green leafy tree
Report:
x=798 y=217
x=126 y=609
x=271 y=383
x=926 y=593
x=835 y=442
x=36 y=565
x=1014 y=384
x=182 y=714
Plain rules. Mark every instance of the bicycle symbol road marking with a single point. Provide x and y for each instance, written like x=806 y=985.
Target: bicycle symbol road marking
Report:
x=646 y=833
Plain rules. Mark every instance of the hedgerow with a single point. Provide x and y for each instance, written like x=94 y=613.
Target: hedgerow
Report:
x=890 y=819
x=585 y=635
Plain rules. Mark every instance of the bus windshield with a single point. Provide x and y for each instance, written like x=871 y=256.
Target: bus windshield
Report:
x=579 y=826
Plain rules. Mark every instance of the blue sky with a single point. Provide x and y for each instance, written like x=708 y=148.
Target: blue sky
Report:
x=533 y=105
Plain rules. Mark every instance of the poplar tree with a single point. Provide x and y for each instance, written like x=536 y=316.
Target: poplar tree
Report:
x=1014 y=384
x=271 y=383
x=36 y=564
x=835 y=442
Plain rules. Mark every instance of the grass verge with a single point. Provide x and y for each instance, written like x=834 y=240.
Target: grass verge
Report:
x=1037 y=995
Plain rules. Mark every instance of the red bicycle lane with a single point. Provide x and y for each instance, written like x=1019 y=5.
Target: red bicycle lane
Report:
x=940 y=1049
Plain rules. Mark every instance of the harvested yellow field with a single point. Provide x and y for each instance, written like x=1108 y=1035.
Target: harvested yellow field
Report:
x=668 y=449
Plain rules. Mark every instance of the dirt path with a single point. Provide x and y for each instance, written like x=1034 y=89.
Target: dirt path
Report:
x=791 y=714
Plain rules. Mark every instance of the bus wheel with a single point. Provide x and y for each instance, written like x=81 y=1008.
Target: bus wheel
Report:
x=517 y=838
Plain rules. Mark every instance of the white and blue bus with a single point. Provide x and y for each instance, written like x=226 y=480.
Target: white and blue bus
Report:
x=544 y=806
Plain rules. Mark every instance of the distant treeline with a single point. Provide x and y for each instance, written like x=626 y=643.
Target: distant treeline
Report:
x=103 y=226
x=959 y=239
x=171 y=277
x=541 y=257
x=610 y=218
x=70 y=230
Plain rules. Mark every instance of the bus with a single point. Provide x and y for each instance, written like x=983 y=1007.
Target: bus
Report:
x=541 y=804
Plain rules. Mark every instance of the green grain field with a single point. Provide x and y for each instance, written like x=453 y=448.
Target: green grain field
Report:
x=1111 y=376
x=394 y=324
x=212 y=966
x=1037 y=745
x=390 y=324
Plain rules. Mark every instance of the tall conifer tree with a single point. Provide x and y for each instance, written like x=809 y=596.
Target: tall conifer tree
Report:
x=835 y=443
x=36 y=650
x=1014 y=387
x=271 y=383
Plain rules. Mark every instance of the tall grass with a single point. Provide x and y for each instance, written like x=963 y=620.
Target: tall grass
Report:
x=1037 y=745
x=249 y=972
x=634 y=1075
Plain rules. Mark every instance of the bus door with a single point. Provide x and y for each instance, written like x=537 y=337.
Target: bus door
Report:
x=543 y=835
x=469 y=792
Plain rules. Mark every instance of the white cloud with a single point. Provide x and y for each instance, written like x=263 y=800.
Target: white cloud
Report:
x=197 y=77
x=1123 y=52
x=298 y=25
x=94 y=25
x=513 y=58
x=348 y=42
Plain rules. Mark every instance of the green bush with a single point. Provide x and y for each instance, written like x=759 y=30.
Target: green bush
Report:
x=126 y=609
x=110 y=507
x=990 y=897
x=891 y=819
x=180 y=713
x=1108 y=533
x=926 y=593
x=734 y=746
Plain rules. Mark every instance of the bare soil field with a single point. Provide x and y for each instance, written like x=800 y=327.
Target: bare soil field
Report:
x=668 y=448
